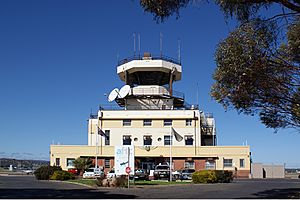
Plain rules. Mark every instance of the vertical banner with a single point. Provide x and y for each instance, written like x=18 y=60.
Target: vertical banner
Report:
x=124 y=157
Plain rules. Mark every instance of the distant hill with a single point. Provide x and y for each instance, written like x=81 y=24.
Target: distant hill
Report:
x=22 y=164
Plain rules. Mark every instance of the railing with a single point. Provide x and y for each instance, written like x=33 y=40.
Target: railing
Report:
x=116 y=107
x=156 y=91
x=152 y=57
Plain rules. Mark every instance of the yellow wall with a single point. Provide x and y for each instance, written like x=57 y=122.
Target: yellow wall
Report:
x=228 y=152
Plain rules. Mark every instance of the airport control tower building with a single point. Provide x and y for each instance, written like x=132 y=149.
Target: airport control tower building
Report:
x=150 y=115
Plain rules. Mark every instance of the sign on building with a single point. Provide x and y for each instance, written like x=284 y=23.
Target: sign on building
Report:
x=124 y=157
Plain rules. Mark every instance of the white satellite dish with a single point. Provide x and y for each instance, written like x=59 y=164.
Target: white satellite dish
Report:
x=113 y=94
x=124 y=91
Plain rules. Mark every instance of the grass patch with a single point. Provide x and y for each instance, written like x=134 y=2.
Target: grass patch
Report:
x=160 y=183
x=89 y=182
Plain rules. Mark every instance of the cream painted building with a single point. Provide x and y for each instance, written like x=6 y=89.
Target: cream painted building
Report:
x=149 y=111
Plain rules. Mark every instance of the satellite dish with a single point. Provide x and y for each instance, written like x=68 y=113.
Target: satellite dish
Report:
x=113 y=94
x=124 y=91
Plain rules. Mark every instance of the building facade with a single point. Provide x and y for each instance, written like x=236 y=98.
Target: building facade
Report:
x=157 y=121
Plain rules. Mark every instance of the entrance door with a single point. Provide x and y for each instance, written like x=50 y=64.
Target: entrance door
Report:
x=147 y=166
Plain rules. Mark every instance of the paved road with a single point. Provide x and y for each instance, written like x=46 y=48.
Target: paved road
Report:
x=28 y=187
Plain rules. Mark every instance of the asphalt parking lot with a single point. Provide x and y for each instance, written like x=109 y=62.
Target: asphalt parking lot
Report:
x=28 y=187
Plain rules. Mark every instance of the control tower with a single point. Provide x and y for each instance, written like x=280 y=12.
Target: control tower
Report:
x=151 y=83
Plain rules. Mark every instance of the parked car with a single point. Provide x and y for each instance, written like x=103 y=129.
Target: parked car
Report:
x=140 y=174
x=176 y=174
x=28 y=171
x=73 y=171
x=111 y=174
x=162 y=172
x=186 y=174
x=93 y=173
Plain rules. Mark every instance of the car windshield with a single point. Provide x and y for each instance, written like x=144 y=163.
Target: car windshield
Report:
x=162 y=167
x=90 y=170
x=112 y=171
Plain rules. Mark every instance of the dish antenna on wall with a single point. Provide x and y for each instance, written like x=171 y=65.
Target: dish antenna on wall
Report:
x=124 y=91
x=113 y=95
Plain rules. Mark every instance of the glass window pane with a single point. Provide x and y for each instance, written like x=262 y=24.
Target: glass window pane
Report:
x=147 y=122
x=167 y=140
x=107 y=138
x=188 y=122
x=242 y=163
x=126 y=122
x=227 y=163
x=167 y=122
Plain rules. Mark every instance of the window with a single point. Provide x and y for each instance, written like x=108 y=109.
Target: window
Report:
x=147 y=122
x=189 y=165
x=57 y=161
x=126 y=122
x=147 y=140
x=227 y=163
x=167 y=122
x=106 y=163
x=188 y=122
x=189 y=140
x=242 y=163
x=210 y=164
x=70 y=162
x=107 y=138
x=126 y=140
x=167 y=140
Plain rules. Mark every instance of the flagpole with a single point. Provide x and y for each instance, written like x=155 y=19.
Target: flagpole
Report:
x=96 y=158
x=171 y=143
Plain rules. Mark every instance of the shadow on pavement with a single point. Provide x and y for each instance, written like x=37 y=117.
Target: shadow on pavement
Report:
x=59 y=194
x=287 y=193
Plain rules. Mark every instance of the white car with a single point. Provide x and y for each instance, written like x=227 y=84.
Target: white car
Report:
x=92 y=173
x=111 y=174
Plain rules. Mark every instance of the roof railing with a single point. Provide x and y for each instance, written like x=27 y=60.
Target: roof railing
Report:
x=151 y=57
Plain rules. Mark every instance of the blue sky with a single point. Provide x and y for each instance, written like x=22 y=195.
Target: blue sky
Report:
x=58 y=58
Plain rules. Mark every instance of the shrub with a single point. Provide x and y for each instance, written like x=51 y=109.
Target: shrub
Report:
x=212 y=176
x=45 y=172
x=62 y=175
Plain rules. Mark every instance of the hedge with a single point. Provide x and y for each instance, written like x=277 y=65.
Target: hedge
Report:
x=62 y=175
x=212 y=176
x=45 y=172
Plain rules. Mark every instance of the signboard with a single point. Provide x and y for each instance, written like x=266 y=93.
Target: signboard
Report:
x=124 y=157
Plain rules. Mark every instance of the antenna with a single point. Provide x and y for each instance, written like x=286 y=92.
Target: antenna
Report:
x=117 y=58
x=134 y=44
x=124 y=91
x=179 y=49
x=139 y=40
x=198 y=96
x=161 y=42
x=113 y=95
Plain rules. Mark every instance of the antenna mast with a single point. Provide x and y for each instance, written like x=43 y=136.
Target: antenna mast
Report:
x=139 y=41
x=179 y=50
x=161 y=43
x=134 y=44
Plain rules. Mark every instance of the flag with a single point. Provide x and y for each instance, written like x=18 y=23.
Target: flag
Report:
x=100 y=132
x=177 y=136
